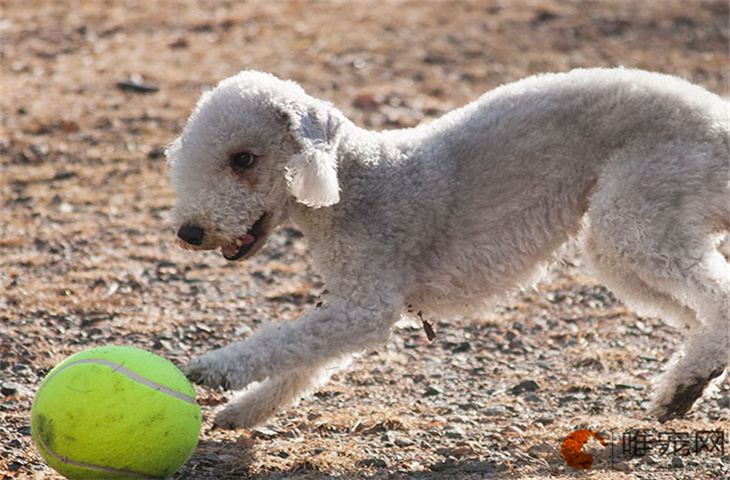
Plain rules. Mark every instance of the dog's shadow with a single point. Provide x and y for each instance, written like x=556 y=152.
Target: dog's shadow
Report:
x=235 y=459
x=218 y=459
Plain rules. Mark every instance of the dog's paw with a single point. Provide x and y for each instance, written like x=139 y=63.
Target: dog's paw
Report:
x=226 y=420
x=676 y=402
x=207 y=371
x=237 y=415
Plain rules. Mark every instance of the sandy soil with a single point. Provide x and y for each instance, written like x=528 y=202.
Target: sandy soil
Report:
x=87 y=255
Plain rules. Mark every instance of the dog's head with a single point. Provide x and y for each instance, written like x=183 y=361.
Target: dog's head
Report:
x=251 y=146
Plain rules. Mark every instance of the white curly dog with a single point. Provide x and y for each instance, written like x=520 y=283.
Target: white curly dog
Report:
x=444 y=218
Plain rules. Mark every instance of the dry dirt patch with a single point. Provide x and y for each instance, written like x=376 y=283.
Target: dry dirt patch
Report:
x=88 y=258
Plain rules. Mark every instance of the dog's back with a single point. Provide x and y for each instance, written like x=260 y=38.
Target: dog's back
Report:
x=528 y=158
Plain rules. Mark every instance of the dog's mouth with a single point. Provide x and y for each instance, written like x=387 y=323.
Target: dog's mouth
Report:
x=250 y=243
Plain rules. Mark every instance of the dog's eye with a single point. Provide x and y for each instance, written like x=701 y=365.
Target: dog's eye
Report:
x=242 y=160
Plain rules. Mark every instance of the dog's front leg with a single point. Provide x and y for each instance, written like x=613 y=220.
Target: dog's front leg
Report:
x=290 y=350
x=256 y=404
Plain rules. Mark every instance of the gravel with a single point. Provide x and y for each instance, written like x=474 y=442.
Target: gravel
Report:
x=91 y=94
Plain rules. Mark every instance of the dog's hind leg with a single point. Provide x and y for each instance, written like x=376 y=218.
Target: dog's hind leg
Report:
x=705 y=352
x=641 y=297
x=651 y=240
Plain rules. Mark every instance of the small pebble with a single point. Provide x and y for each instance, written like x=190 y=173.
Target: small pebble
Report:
x=514 y=429
x=454 y=432
x=525 y=386
x=137 y=86
x=462 y=347
x=9 y=388
x=431 y=391
x=372 y=463
x=532 y=398
x=497 y=411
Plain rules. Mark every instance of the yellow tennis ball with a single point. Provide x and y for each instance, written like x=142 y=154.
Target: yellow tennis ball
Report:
x=115 y=412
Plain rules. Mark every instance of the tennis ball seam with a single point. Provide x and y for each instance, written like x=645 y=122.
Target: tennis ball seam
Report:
x=120 y=368
x=92 y=466
x=131 y=375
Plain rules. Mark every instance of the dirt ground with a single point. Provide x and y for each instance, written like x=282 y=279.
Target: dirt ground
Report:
x=91 y=92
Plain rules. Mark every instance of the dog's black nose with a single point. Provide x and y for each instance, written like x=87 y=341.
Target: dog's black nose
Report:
x=191 y=234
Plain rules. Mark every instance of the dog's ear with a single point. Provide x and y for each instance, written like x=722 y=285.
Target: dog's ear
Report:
x=311 y=174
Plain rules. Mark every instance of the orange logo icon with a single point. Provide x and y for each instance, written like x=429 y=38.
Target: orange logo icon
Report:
x=572 y=446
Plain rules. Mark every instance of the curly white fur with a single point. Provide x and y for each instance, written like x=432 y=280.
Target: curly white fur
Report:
x=444 y=218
